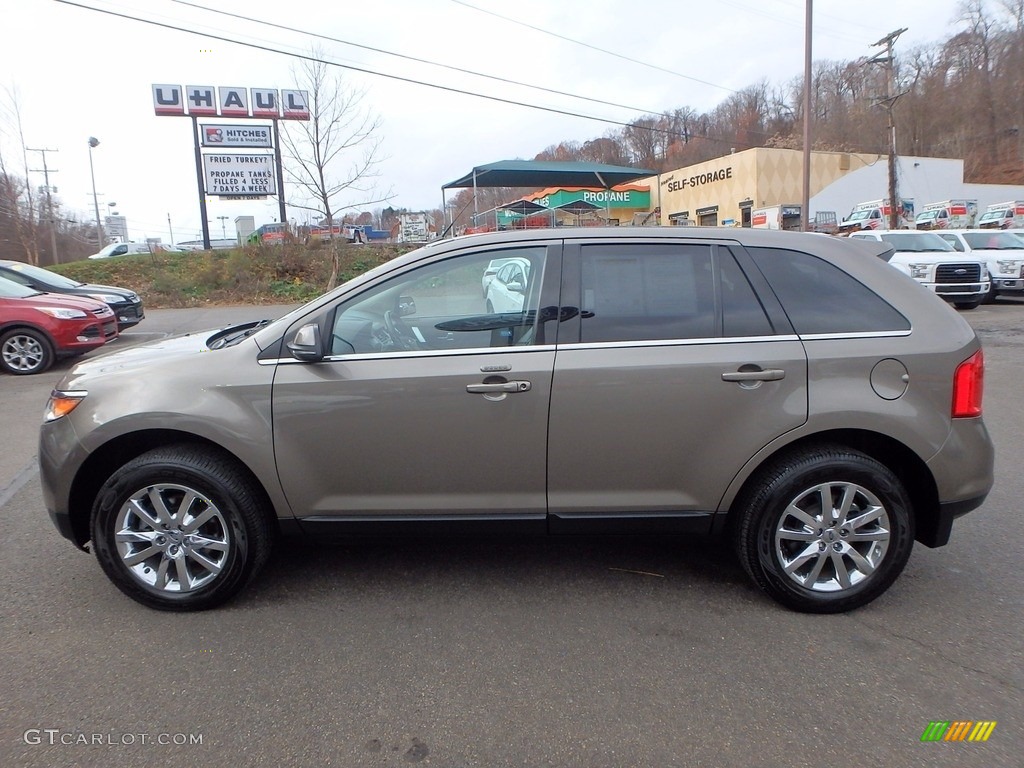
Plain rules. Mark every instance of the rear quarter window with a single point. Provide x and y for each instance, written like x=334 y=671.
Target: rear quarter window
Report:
x=820 y=298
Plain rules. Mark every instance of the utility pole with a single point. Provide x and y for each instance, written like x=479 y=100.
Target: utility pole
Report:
x=888 y=60
x=805 y=198
x=223 y=227
x=49 y=200
x=170 y=229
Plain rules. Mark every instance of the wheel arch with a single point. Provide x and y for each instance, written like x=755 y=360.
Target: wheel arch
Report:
x=911 y=470
x=21 y=325
x=102 y=463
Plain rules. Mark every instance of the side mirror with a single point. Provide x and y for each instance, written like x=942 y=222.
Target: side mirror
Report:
x=406 y=306
x=514 y=287
x=306 y=344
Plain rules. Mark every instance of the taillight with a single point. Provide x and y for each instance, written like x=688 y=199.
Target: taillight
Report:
x=968 y=384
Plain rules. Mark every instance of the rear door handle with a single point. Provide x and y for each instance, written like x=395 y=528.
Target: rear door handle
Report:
x=769 y=374
x=500 y=387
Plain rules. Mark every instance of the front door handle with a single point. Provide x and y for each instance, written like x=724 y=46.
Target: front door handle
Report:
x=501 y=387
x=768 y=374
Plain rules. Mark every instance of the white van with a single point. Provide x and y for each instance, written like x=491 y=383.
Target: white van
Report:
x=1001 y=250
x=125 y=249
x=932 y=261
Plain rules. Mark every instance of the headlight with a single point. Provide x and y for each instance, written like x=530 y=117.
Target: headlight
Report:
x=920 y=271
x=1008 y=266
x=107 y=298
x=63 y=403
x=61 y=313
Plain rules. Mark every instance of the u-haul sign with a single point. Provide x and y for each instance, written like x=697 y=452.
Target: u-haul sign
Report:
x=233 y=175
x=230 y=101
x=236 y=136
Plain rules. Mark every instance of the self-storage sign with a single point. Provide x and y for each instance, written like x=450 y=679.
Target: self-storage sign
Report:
x=232 y=175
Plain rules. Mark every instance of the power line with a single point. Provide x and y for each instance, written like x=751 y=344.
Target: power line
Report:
x=412 y=81
x=407 y=57
x=595 y=48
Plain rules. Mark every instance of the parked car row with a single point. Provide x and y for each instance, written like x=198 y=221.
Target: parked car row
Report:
x=45 y=316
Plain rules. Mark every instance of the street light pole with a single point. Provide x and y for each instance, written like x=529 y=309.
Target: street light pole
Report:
x=223 y=227
x=94 y=142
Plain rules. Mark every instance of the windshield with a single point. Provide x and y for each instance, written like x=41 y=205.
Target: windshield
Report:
x=992 y=215
x=927 y=215
x=12 y=290
x=45 y=276
x=993 y=241
x=859 y=215
x=917 y=242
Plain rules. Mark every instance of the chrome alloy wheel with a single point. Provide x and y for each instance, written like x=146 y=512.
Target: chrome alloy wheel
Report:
x=23 y=352
x=832 y=537
x=172 y=538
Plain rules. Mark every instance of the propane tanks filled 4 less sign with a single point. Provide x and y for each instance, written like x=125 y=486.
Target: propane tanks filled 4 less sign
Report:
x=239 y=174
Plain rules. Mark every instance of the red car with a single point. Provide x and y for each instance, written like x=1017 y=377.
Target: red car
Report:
x=38 y=328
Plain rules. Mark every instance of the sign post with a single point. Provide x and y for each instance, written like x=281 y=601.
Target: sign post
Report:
x=228 y=175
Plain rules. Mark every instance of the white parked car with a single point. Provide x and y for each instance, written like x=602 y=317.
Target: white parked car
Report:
x=124 y=249
x=496 y=264
x=506 y=291
x=1002 y=251
x=926 y=257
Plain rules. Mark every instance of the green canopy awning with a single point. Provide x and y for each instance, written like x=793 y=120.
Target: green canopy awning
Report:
x=542 y=173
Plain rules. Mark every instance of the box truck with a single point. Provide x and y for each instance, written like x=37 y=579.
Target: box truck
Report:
x=874 y=214
x=776 y=217
x=948 y=214
x=1008 y=215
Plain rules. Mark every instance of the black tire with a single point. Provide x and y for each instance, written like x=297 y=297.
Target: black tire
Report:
x=967 y=304
x=237 y=537
x=24 y=351
x=766 y=524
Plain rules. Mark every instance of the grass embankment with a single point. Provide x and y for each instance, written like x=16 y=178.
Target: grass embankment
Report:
x=282 y=274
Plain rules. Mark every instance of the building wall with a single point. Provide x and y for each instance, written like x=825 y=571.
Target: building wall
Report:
x=760 y=177
x=765 y=177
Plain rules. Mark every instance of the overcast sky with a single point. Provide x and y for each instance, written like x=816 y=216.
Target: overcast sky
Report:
x=82 y=73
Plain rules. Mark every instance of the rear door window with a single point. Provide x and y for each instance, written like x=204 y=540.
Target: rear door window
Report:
x=820 y=298
x=660 y=291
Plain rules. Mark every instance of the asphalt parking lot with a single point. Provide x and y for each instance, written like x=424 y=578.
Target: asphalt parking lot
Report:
x=493 y=652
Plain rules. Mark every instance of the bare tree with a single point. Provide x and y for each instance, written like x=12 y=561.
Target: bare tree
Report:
x=16 y=198
x=334 y=155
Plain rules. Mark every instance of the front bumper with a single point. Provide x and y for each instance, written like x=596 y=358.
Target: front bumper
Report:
x=1008 y=284
x=959 y=289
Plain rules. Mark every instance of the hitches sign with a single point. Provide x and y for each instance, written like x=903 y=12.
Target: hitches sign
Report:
x=224 y=101
x=235 y=136
x=240 y=174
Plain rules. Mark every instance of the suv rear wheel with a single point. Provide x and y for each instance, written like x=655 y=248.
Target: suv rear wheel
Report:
x=825 y=530
x=180 y=528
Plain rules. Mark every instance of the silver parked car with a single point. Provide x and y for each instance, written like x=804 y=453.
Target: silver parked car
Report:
x=792 y=392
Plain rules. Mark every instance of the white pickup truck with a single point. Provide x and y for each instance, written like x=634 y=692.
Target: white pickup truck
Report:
x=926 y=257
x=1002 y=251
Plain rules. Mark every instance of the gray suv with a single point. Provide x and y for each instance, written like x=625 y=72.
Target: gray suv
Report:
x=792 y=392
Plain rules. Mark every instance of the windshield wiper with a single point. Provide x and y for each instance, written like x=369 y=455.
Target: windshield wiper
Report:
x=238 y=333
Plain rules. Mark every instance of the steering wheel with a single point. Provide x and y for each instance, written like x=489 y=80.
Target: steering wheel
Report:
x=400 y=332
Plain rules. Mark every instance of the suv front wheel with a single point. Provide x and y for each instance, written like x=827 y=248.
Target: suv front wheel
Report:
x=824 y=530
x=180 y=528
